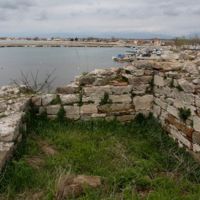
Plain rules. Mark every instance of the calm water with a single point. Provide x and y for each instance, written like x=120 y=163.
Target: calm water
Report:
x=67 y=62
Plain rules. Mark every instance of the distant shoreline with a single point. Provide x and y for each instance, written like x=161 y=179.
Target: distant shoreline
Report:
x=64 y=43
x=60 y=44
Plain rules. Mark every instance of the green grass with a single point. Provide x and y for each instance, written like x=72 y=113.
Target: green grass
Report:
x=136 y=161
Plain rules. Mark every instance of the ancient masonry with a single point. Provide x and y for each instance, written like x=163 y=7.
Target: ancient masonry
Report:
x=168 y=89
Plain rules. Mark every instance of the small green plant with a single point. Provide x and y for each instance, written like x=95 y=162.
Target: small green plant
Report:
x=84 y=73
x=80 y=103
x=184 y=113
x=61 y=114
x=171 y=85
x=56 y=100
x=149 y=90
x=105 y=99
x=179 y=88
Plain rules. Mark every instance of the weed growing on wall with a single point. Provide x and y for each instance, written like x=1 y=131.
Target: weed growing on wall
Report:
x=106 y=99
x=184 y=113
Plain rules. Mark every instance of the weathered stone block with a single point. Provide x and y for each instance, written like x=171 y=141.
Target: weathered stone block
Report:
x=159 y=81
x=70 y=98
x=119 y=90
x=6 y=150
x=53 y=109
x=98 y=116
x=120 y=98
x=36 y=100
x=111 y=108
x=186 y=86
x=156 y=110
x=97 y=91
x=173 y=111
x=160 y=103
x=3 y=106
x=125 y=118
x=9 y=127
x=137 y=81
x=72 y=112
x=143 y=102
x=88 y=109
x=186 y=130
x=196 y=123
x=177 y=135
x=196 y=137
x=68 y=89
x=197 y=101
x=47 y=99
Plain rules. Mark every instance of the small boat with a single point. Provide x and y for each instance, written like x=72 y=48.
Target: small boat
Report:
x=119 y=57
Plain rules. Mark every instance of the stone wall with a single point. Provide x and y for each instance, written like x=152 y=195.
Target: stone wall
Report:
x=13 y=105
x=168 y=89
x=177 y=93
x=110 y=94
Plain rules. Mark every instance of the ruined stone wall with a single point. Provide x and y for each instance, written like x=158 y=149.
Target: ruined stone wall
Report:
x=177 y=102
x=109 y=94
x=13 y=105
x=170 y=90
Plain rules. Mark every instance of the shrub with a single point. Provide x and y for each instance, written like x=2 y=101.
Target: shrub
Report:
x=56 y=101
x=105 y=99
x=171 y=85
x=61 y=114
x=184 y=113
x=179 y=88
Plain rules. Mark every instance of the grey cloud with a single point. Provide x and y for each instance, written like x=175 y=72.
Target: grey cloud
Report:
x=42 y=16
x=16 y=4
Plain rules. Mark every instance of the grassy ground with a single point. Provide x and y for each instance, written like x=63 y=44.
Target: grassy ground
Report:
x=136 y=161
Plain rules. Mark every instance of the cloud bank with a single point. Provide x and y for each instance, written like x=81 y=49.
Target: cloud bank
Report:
x=172 y=17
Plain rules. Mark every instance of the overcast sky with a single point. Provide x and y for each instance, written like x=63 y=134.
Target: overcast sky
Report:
x=171 y=17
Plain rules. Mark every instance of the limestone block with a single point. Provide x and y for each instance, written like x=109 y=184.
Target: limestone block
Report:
x=197 y=101
x=72 y=112
x=159 y=81
x=156 y=110
x=3 y=106
x=143 y=102
x=92 y=99
x=9 y=127
x=196 y=123
x=177 y=135
x=36 y=101
x=196 y=137
x=88 y=109
x=6 y=150
x=96 y=90
x=160 y=103
x=184 y=98
x=125 y=118
x=47 y=99
x=137 y=81
x=119 y=90
x=180 y=126
x=98 y=116
x=186 y=86
x=120 y=98
x=53 y=109
x=173 y=111
x=111 y=108
x=69 y=98
x=68 y=89
x=196 y=148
